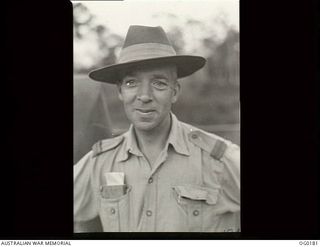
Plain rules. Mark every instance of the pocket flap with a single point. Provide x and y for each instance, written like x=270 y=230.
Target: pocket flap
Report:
x=113 y=191
x=198 y=193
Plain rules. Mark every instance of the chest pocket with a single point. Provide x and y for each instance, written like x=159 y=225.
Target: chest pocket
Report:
x=196 y=202
x=114 y=208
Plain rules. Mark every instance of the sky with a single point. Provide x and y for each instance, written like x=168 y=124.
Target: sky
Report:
x=119 y=15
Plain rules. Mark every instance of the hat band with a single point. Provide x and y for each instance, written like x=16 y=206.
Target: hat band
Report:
x=145 y=51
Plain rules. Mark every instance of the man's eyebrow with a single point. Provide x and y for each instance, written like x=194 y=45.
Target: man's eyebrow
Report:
x=156 y=76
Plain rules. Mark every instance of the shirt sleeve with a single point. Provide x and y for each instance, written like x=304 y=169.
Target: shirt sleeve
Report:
x=85 y=197
x=231 y=173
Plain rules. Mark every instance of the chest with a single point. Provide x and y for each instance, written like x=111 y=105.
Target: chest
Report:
x=170 y=196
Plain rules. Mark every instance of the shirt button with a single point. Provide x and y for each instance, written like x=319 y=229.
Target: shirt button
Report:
x=149 y=212
x=150 y=181
x=196 y=212
x=112 y=211
x=194 y=136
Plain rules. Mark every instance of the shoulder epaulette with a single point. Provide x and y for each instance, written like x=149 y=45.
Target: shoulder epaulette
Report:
x=105 y=145
x=214 y=146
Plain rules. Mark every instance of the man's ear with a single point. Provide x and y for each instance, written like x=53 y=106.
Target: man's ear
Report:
x=119 y=91
x=176 y=92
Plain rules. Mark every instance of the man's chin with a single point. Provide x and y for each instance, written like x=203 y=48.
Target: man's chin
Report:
x=144 y=126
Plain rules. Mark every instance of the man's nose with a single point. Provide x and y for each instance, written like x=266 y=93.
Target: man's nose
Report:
x=145 y=92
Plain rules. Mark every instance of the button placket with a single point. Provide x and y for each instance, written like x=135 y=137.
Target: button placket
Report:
x=150 y=204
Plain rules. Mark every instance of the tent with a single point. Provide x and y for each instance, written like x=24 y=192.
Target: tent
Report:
x=91 y=119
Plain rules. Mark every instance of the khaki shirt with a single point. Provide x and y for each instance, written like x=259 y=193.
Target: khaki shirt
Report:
x=193 y=186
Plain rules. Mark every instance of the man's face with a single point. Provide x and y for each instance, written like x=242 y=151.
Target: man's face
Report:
x=147 y=94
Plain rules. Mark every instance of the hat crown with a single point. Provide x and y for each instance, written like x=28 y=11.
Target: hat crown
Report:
x=144 y=34
x=144 y=45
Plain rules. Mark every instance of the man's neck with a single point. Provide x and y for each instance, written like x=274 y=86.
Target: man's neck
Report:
x=155 y=140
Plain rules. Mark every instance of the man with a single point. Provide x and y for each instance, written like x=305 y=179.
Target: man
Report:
x=162 y=174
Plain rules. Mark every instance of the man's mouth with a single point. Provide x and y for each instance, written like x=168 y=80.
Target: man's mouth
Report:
x=145 y=111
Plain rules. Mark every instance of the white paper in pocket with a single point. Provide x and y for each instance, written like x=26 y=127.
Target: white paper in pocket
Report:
x=114 y=178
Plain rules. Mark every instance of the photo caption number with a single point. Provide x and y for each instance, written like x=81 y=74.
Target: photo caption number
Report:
x=308 y=242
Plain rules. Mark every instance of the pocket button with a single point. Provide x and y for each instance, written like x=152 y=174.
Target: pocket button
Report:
x=196 y=212
x=112 y=211
x=149 y=212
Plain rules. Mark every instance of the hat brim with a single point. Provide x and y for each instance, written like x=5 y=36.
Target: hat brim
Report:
x=186 y=65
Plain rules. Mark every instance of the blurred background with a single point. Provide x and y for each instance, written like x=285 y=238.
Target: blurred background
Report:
x=210 y=97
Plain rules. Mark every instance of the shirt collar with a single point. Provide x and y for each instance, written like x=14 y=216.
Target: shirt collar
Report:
x=176 y=138
x=130 y=145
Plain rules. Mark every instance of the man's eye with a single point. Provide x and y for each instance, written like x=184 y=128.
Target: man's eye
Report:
x=130 y=83
x=160 y=84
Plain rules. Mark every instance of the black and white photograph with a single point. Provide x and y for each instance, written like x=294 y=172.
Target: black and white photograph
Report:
x=126 y=120
x=156 y=141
